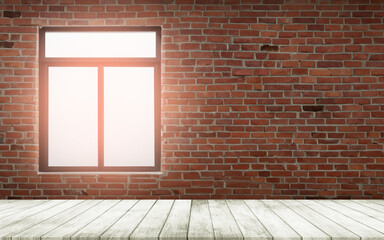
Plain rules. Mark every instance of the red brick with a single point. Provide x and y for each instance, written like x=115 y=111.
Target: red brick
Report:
x=242 y=72
x=374 y=49
x=172 y=184
x=337 y=56
x=329 y=64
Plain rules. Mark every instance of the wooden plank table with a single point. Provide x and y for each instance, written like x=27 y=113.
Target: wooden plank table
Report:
x=192 y=219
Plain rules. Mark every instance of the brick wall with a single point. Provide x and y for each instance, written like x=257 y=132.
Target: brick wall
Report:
x=260 y=98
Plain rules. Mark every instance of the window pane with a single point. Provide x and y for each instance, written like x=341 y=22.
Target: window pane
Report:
x=100 y=44
x=129 y=116
x=72 y=121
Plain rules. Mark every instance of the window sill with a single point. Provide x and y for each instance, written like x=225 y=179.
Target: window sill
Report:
x=101 y=173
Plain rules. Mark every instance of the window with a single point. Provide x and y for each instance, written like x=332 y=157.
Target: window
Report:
x=100 y=99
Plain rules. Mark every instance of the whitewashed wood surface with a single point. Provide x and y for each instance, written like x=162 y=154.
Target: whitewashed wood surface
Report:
x=192 y=219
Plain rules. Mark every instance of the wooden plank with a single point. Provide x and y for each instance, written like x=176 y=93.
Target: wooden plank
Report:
x=176 y=226
x=223 y=229
x=372 y=205
x=17 y=227
x=20 y=206
x=250 y=226
x=4 y=204
x=103 y=222
x=358 y=216
x=20 y=216
x=66 y=230
x=200 y=224
x=299 y=224
x=352 y=225
x=331 y=228
x=381 y=202
x=375 y=213
x=275 y=226
x=35 y=232
x=124 y=227
x=153 y=222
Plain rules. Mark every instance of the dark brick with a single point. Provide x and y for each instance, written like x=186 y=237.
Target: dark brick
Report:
x=313 y=108
x=9 y=14
x=269 y=48
x=6 y=44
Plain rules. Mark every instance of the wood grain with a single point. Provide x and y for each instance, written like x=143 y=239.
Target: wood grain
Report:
x=200 y=224
x=192 y=219
x=176 y=226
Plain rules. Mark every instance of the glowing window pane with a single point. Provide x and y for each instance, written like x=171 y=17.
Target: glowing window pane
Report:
x=100 y=44
x=72 y=120
x=129 y=116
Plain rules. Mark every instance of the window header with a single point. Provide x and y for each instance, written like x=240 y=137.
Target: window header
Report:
x=100 y=44
x=108 y=43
